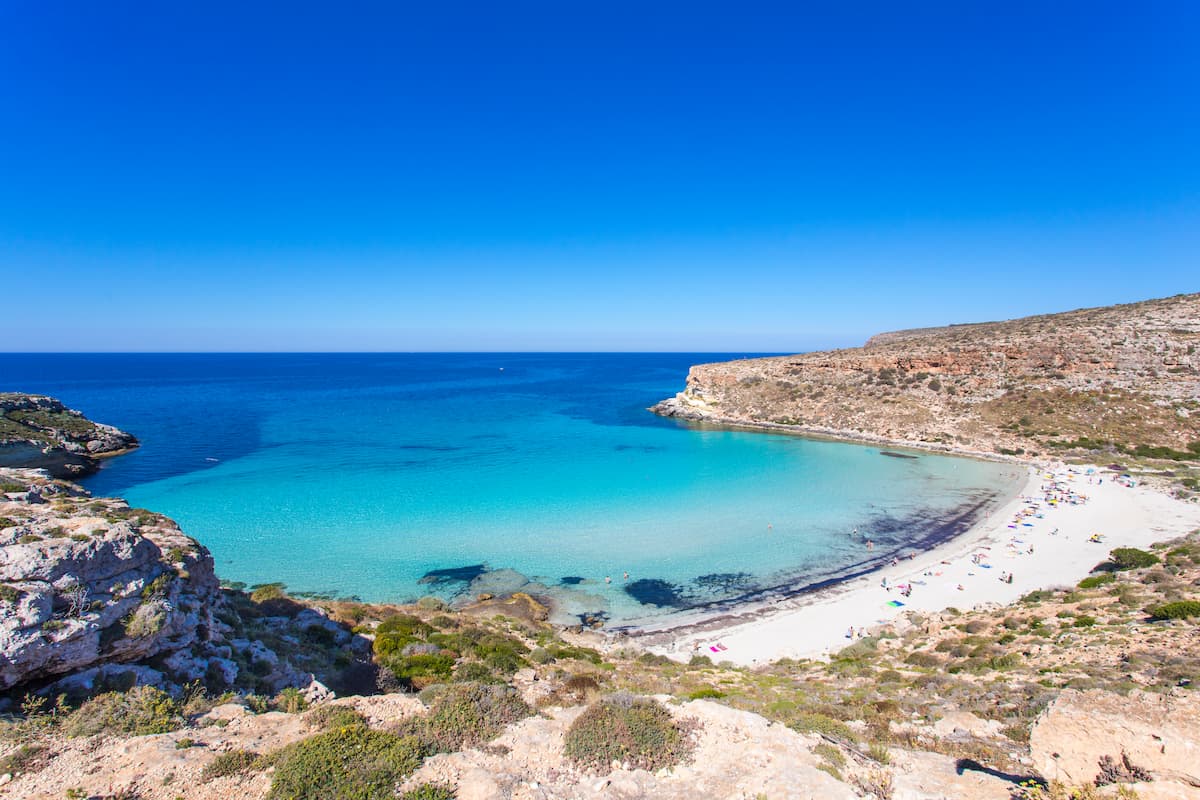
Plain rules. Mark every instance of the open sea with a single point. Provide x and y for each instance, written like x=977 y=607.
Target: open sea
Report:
x=392 y=476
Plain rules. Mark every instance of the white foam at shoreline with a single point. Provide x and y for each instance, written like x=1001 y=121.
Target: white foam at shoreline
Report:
x=816 y=625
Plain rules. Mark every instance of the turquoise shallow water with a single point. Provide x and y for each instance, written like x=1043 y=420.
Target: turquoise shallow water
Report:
x=361 y=475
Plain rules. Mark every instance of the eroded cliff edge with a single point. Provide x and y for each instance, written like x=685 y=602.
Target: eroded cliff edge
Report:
x=1125 y=379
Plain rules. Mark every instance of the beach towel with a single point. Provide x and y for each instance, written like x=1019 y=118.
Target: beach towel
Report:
x=895 y=603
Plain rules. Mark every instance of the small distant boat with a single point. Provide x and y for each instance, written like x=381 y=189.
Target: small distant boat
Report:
x=210 y=458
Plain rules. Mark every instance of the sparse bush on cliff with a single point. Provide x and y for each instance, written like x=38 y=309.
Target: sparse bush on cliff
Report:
x=234 y=762
x=290 y=701
x=349 y=763
x=429 y=791
x=468 y=714
x=146 y=620
x=327 y=717
x=627 y=729
x=141 y=711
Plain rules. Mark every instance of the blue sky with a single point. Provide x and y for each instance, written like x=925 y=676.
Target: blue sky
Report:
x=585 y=176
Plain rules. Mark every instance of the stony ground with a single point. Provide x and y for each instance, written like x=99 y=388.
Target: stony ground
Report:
x=943 y=706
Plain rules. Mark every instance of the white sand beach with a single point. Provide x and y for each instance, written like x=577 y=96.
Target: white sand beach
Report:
x=1042 y=544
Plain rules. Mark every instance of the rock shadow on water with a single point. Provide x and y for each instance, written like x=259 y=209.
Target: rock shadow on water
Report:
x=657 y=592
x=571 y=580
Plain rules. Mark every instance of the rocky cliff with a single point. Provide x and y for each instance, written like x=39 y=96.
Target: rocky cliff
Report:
x=42 y=433
x=85 y=582
x=1123 y=378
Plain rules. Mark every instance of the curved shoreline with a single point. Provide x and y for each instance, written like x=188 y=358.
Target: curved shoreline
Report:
x=814 y=624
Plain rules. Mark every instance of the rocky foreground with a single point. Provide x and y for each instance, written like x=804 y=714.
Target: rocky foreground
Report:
x=1121 y=382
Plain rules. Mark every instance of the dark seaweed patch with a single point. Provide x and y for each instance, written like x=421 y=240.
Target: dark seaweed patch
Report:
x=570 y=580
x=441 y=577
x=895 y=455
x=656 y=592
x=725 y=582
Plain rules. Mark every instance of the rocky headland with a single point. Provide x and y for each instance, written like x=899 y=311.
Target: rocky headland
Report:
x=41 y=433
x=1121 y=382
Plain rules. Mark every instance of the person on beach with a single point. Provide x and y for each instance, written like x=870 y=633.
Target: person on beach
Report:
x=608 y=579
x=625 y=576
x=870 y=545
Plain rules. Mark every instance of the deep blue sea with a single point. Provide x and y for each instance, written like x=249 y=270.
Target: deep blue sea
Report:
x=391 y=476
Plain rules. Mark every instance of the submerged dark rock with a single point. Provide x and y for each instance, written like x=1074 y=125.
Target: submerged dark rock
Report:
x=657 y=592
x=892 y=454
x=442 y=577
x=570 y=580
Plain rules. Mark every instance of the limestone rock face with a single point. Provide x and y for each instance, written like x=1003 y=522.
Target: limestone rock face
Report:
x=1126 y=374
x=1158 y=733
x=41 y=433
x=85 y=582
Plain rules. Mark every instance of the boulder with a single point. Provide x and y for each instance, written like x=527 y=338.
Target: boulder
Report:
x=1156 y=733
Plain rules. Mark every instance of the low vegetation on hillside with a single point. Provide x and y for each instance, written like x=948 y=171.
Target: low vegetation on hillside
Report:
x=1126 y=627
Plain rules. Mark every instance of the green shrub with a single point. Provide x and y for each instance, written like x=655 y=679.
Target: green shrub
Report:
x=268 y=591
x=707 y=693
x=350 y=763
x=5 y=522
x=397 y=632
x=474 y=672
x=234 y=762
x=626 y=729
x=291 y=700
x=1178 y=610
x=327 y=717
x=919 y=658
x=29 y=538
x=141 y=711
x=9 y=594
x=422 y=669
x=469 y=714
x=1132 y=558
x=1084 y=621
x=1095 y=581
x=812 y=722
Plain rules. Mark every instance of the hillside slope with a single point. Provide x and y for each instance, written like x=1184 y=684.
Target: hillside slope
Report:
x=1123 y=379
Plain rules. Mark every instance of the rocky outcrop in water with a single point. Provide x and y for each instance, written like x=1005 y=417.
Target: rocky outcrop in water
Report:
x=41 y=433
x=1122 y=378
